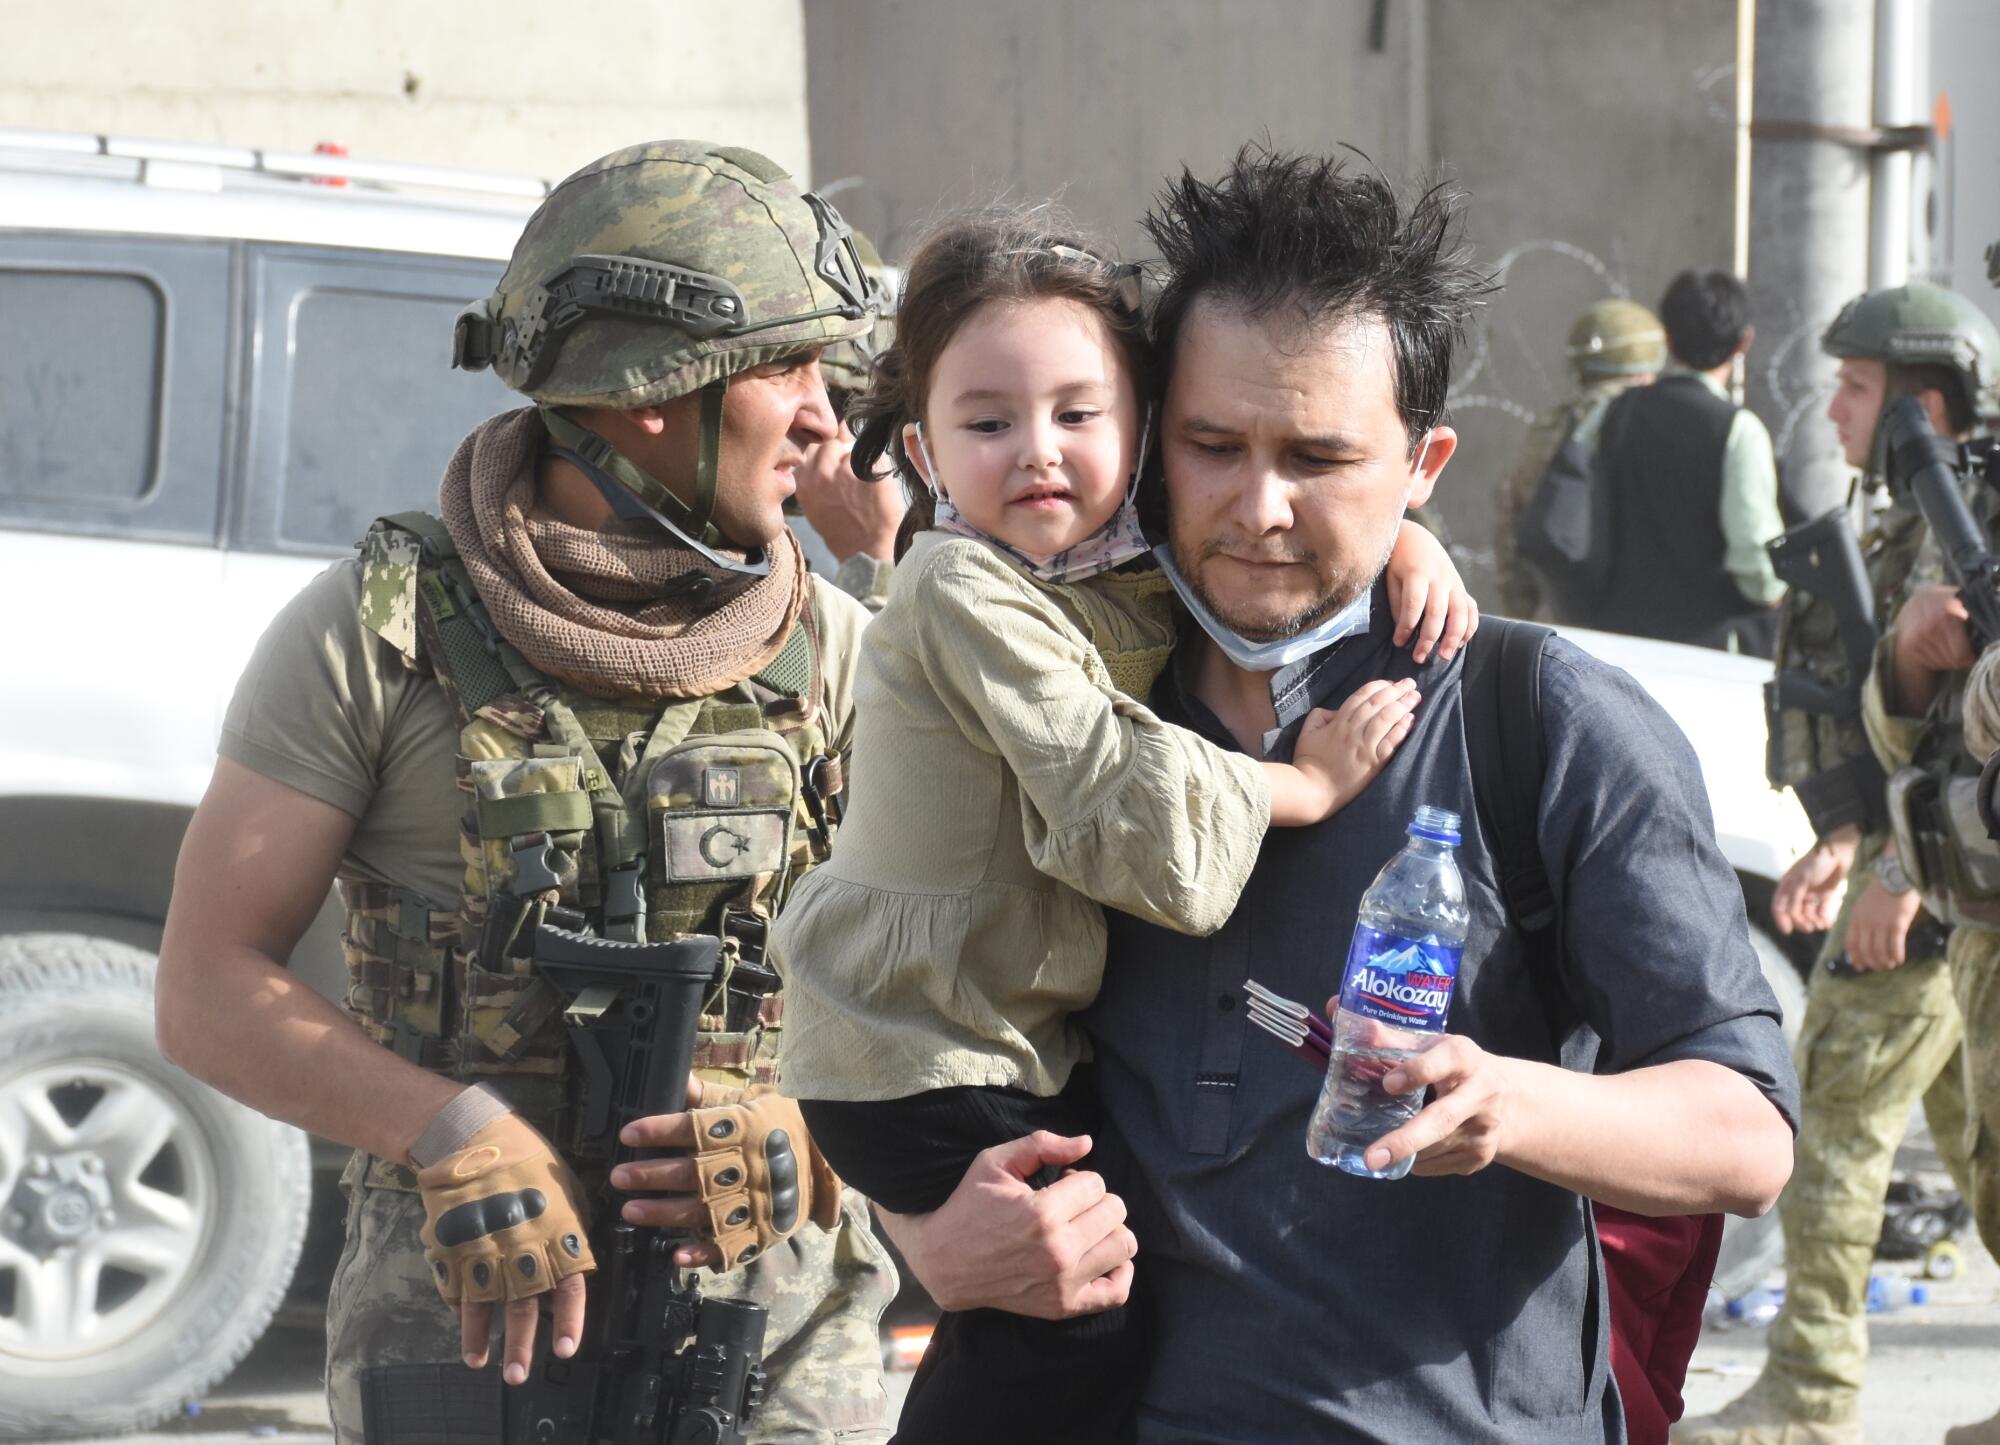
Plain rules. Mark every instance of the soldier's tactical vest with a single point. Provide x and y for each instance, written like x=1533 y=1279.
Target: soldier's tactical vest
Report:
x=1804 y=746
x=1934 y=803
x=643 y=820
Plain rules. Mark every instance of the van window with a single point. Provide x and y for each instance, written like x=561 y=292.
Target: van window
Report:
x=113 y=372
x=357 y=409
x=376 y=411
x=80 y=403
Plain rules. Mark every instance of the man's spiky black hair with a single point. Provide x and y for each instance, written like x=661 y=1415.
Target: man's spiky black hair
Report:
x=1308 y=240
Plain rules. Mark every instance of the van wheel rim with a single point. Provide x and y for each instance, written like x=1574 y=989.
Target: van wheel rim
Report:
x=107 y=1200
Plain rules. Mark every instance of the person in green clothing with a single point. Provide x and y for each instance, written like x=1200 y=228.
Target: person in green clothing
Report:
x=1615 y=345
x=934 y=977
x=1692 y=486
x=1884 y=1032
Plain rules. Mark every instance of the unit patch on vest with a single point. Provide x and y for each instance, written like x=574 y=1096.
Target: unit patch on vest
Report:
x=722 y=807
x=722 y=787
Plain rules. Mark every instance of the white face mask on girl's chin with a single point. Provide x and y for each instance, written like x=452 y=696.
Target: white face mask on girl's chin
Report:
x=1115 y=543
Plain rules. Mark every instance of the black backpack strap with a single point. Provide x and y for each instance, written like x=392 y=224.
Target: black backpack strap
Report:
x=1501 y=692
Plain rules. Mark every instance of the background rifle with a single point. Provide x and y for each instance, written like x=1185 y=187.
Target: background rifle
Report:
x=1823 y=557
x=1930 y=468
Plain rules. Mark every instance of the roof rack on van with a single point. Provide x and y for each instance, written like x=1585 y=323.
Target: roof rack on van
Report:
x=297 y=165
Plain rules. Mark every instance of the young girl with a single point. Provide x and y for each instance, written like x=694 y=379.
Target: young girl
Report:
x=1011 y=779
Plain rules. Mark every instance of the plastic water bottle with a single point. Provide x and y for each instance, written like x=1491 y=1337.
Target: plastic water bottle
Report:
x=1393 y=996
x=1888 y=1292
x=1758 y=1308
x=1715 y=1310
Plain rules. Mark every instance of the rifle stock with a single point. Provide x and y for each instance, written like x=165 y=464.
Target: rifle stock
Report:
x=1823 y=557
x=658 y=1364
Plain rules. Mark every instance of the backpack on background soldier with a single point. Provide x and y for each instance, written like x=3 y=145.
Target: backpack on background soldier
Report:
x=1564 y=532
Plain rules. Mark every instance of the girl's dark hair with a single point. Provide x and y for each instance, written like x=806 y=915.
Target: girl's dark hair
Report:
x=996 y=253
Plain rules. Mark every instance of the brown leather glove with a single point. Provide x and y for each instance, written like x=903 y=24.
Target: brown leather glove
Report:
x=761 y=1176
x=503 y=1216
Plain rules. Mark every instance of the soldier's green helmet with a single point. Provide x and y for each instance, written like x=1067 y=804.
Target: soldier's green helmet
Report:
x=850 y=365
x=1922 y=325
x=657 y=271
x=1616 y=337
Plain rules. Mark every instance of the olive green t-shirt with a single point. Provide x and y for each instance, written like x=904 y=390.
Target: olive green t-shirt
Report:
x=330 y=709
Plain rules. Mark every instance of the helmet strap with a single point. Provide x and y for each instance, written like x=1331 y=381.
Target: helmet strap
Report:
x=708 y=460
x=635 y=496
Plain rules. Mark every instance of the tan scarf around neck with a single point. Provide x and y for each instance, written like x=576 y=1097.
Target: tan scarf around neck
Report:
x=587 y=607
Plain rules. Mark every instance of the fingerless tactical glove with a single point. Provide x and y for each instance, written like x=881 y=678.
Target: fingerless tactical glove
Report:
x=761 y=1176
x=503 y=1216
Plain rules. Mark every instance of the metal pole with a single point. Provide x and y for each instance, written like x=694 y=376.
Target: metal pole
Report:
x=1746 y=90
x=1808 y=224
x=1902 y=31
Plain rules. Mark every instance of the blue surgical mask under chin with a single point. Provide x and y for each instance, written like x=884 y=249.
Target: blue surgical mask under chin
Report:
x=1265 y=656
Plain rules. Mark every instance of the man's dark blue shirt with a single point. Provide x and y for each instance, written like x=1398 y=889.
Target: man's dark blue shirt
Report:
x=1296 y=1302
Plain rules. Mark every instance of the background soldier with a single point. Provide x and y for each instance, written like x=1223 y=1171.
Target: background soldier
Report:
x=534 y=705
x=1614 y=345
x=1932 y=714
x=1884 y=1032
x=853 y=518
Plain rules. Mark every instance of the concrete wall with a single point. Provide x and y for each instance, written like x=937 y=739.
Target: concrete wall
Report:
x=1597 y=140
x=1965 y=51
x=923 y=107
x=1594 y=135
x=510 y=85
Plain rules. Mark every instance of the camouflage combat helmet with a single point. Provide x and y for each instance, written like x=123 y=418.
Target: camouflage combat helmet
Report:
x=654 y=272
x=1616 y=337
x=850 y=365
x=1920 y=324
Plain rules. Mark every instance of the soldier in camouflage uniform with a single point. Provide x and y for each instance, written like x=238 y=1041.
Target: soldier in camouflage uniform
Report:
x=1884 y=1031
x=1933 y=715
x=1614 y=345
x=854 y=518
x=603 y=691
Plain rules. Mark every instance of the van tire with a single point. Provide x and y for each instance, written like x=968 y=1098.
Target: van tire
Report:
x=200 y=1232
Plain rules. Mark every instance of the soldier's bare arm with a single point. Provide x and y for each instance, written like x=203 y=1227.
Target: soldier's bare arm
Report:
x=257 y=862
x=1805 y=899
x=256 y=865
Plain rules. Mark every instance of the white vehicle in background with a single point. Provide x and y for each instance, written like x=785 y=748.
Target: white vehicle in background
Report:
x=1717 y=699
x=220 y=365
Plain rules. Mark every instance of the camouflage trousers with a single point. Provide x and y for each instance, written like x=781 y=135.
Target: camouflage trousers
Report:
x=1975 y=979
x=1871 y=1046
x=823 y=1352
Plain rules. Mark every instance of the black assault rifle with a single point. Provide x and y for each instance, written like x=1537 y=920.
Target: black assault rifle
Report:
x=1932 y=470
x=1823 y=559
x=658 y=1364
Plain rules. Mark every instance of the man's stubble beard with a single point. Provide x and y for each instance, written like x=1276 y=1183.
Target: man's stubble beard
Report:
x=1343 y=588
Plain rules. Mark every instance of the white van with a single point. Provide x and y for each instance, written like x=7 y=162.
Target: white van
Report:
x=221 y=364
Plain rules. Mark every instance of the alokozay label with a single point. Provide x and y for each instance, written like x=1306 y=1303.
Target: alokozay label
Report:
x=1399 y=980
